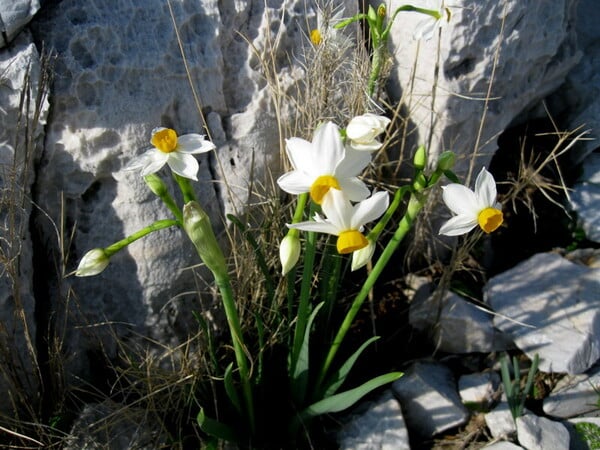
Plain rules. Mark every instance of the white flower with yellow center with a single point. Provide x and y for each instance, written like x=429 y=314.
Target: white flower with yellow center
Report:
x=362 y=131
x=472 y=208
x=176 y=151
x=323 y=164
x=346 y=221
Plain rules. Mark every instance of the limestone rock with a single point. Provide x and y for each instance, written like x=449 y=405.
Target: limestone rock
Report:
x=14 y=15
x=429 y=399
x=548 y=305
x=500 y=422
x=502 y=445
x=524 y=48
x=21 y=135
x=574 y=395
x=585 y=198
x=539 y=433
x=119 y=74
x=379 y=426
x=457 y=326
x=478 y=390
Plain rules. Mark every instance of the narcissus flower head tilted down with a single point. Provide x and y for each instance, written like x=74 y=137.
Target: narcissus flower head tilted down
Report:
x=176 y=151
x=345 y=220
x=362 y=131
x=323 y=164
x=472 y=208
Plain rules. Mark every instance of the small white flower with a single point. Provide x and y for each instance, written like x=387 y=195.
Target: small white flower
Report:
x=362 y=131
x=345 y=220
x=176 y=151
x=322 y=164
x=472 y=208
x=289 y=252
x=92 y=263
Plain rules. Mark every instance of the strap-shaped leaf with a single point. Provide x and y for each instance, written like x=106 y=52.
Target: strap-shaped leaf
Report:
x=215 y=428
x=343 y=400
x=300 y=374
x=339 y=376
x=230 y=389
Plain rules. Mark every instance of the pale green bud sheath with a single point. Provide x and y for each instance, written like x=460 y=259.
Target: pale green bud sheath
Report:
x=196 y=224
x=159 y=188
x=289 y=251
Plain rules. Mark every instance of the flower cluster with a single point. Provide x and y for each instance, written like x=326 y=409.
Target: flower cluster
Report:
x=327 y=168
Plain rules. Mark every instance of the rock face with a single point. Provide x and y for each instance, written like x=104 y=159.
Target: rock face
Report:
x=514 y=53
x=585 y=198
x=21 y=135
x=14 y=15
x=548 y=305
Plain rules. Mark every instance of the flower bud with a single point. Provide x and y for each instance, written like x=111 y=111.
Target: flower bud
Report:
x=92 y=263
x=289 y=252
x=361 y=257
x=362 y=131
x=445 y=161
x=420 y=159
x=196 y=224
x=156 y=184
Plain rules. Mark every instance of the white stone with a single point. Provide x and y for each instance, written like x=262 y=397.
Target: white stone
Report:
x=585 y=198
x=539 y=433
x=549 y=306
x=535 y=46
x=478 y=390
x=500 y=422
x=20 y=143
x=14 y=15
x=458 y=326
x=427 y=393
x=574 y=395
x=502 y=445
x=378 y=426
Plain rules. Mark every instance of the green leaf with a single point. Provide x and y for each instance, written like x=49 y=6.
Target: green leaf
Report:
x=300 y=373
x=230 y=388
x=343 y=400
x=590 y=433
x=215 y=428
x=339 y=376
x=451 y=176
x=347 y=22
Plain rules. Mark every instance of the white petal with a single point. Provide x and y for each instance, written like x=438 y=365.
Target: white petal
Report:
x=365 y=147
x=362 y=256
x=300 y=154
x=458 y=225
x=140 y=161
x=354 y=188
x=294 y=182
x=338 y=209
x=328 y=148
x=485 y=189
x=352 y=163
x=370 y=209
x=320 y=227
x=460 y=199
x=184 y=165
x=194 y=143
x=154 y=162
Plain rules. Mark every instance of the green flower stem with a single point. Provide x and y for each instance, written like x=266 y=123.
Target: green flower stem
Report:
x=186 y=188
x=304 y=304
x=415 y=204
x=158 y=225
x=158 y=187
x=376 y=63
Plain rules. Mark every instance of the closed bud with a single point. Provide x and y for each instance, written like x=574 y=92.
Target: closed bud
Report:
x=381 y=11
x=196 y=224
x=446 y=161
x=92 y=263
x=156 y=184
x=289 y=252
x=420 y=159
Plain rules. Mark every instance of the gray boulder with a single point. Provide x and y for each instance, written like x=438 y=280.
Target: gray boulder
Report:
x=14 y=15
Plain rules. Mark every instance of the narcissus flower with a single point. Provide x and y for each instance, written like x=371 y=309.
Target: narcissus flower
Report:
x=362 y=131
x=472 y=208
x=361 y=257
x=323 y=164
x=92 y=263
x=176 y=151
x=345 y=220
